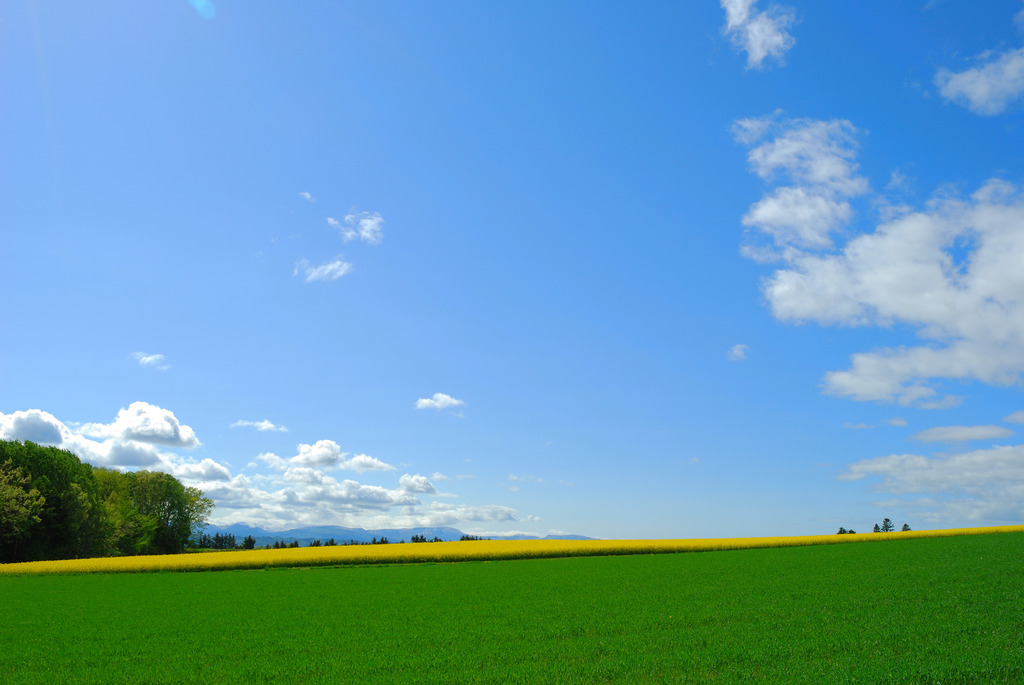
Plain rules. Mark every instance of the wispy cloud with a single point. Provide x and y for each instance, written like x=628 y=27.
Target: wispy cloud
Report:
x=330 y=271
x=153 y=361
x=261 y=426
x=368 y=227
x=737 y=353
x=962 y=433
x=307 y=196
x=761 y=34
x=438 y=401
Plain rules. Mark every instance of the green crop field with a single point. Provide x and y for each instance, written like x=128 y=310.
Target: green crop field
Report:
x=942 y=610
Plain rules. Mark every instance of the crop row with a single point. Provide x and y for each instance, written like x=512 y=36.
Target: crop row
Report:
x=482 y=550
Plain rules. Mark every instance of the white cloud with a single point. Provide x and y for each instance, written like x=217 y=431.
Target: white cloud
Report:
x=261 y=426
x=145 y=423
x=33 y=425
x=951 y=270
x=130 y=442
x=1015 y=417
x=325 y=454
x=817 y=159
x=981 y=485
x=761 y=34
x=155 y=361
x=417 y=483
x=308 y=197
x=297 y=492
x=367 y=226
x=962 y=433
x=896 y=422
x=988 y=89
x=272 y=460
x=330 y=271
x=205 y=470
x=438 y=401
x=737 y=352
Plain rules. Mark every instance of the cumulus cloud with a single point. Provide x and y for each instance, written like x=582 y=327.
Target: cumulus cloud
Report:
x=33 y=425
x=950 y=270
x=962 y=433
x=155 y=361
x=817 y=159
x=980 y=485
x=987 y=89
x=261 y=426
x=329 y=271
x=325 y=454
x=130 y=442
x=737 y=353
x=417 y=483
x=761 y=34
x=297 y=492
x=145 y=423
x=438 y=401
x=1015 y=417
x=204 y=470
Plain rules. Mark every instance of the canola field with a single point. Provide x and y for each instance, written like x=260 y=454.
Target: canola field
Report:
x=434 y=552
x=892 y=610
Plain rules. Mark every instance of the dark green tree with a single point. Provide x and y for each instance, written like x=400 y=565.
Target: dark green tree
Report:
x=905 y=528
x=71 y=521
x=249 y=542
x=887 y=526
x=20 y=506
x=128 y=531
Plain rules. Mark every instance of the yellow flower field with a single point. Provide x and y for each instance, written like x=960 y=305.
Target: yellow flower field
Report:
x=434 y=552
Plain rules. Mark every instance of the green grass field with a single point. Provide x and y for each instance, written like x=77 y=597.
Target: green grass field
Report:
x=943 y=610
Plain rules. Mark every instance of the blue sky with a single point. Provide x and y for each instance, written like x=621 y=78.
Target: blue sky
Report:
x=678 y=270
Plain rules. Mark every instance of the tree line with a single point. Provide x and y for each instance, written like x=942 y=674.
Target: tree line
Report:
x=887 y=527
x=54 y=506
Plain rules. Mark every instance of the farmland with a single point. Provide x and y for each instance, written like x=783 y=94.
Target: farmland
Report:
x=914 y=610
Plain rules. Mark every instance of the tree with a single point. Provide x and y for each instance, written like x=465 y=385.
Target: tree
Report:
x=178 y=512
x=71 y=521
x=876 y=530
x=887 y=526
x=198 y=508
x=249 y=542
x=905 y=528
x=20 y=506
x=842 y=531
x=128 y=531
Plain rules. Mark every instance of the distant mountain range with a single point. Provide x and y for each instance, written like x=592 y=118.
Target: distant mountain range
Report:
x=344 y=535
